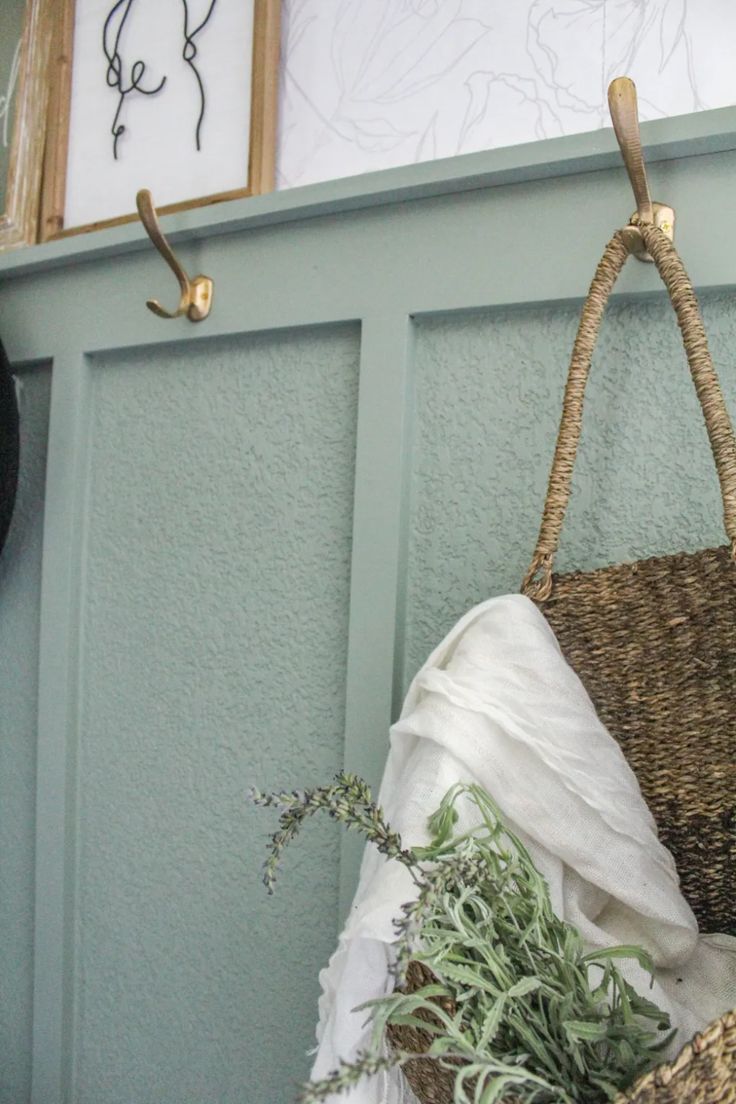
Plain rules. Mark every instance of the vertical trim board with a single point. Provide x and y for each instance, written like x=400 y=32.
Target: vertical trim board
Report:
x=383 y=408
x=57 y=725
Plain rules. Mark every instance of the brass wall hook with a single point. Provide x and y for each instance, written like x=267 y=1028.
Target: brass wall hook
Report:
x=622 y=105
x=196 y=295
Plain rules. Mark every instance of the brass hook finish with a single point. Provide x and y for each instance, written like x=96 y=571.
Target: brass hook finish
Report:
x=622 y=104
x=195 y=300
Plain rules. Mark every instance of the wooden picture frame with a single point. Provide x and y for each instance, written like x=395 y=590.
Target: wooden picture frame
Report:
x=26 y=125
x=258 y=174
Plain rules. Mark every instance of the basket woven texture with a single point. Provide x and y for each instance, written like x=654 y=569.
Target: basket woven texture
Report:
x=654 y=643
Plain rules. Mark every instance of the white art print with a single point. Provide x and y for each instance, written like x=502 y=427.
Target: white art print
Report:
x=160 y=99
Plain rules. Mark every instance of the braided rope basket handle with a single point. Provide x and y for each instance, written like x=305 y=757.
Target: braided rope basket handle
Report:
x=538 y=580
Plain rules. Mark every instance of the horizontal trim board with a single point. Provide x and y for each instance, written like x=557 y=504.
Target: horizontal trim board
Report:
x=664 y=140
x=534 y=242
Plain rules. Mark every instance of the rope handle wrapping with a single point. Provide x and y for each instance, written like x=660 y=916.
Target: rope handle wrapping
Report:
x=537 y=583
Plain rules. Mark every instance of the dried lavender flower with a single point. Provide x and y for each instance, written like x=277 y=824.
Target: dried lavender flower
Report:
x=517 y=1008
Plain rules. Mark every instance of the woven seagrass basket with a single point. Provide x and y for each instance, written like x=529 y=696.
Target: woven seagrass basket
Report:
x=654 y=643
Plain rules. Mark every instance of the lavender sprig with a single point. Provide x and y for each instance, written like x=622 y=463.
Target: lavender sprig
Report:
x=516 y=1008
x=348 y=799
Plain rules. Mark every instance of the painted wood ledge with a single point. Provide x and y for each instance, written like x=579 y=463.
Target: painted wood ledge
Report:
x=664 y=140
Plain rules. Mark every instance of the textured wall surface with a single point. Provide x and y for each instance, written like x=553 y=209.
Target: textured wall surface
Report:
x=221 y=493
x=212 y=507
x=20 y=593
x=367 y=86
x=488 y=399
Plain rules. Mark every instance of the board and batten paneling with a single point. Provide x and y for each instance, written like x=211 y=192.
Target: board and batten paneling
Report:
x=214 y=632
x=255 y=528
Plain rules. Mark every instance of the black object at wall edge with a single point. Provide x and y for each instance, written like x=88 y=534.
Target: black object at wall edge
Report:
x=9 y=445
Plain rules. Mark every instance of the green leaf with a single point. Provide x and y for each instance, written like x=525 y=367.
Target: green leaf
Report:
x=584 y=1029
x=464 y=975
x=407 y=1020
x=407 y=1000
x=493 y=1089
x=625 y=951
x=526 y=985
x=611 y=1091
x=442 y=822
x=491 y=1022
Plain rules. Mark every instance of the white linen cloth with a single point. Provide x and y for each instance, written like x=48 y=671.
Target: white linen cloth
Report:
x=496 y=703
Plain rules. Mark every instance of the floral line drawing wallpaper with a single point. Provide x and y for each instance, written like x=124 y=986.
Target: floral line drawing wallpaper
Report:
x=366 y=86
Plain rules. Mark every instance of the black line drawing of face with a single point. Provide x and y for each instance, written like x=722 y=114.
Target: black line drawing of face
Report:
x=189 y=53
x=128 y=79
x=112 y=35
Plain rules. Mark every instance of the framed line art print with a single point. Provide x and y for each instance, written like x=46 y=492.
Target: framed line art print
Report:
x=25 y=39
x=177 y=96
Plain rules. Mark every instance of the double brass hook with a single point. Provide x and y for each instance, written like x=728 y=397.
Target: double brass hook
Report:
x=622 y=104
x=195 y=300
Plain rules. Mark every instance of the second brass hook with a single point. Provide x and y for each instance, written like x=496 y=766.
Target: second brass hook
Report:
x=622 y=104
x=195 y=299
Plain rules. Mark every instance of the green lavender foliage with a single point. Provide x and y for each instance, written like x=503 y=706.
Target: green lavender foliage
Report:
x=518 y=1009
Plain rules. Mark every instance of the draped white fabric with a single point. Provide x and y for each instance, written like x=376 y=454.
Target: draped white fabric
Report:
x=496 y=703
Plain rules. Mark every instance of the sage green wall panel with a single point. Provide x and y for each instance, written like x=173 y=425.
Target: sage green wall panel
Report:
x=205 y=533
x=214 y=634
x=488 y=389
x=20 y=587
